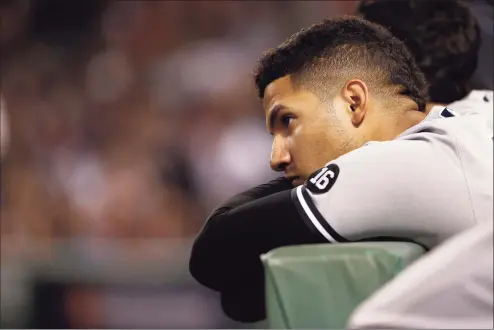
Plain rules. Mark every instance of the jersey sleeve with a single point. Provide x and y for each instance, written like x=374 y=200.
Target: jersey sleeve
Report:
x=403 y=189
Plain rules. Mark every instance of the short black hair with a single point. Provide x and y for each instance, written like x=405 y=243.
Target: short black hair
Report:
x=326 y=53
x=443 y=36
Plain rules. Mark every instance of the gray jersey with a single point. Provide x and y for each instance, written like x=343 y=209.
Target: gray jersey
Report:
x=443 y=290
x=431 y=182
x=478 y=101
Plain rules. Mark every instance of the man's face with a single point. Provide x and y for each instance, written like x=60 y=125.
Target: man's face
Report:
x=307 y=133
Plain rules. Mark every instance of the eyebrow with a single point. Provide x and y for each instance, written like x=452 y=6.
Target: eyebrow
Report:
x=272 y=115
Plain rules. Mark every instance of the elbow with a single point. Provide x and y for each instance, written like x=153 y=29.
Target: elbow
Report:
x=198 y=266
x=206 y=259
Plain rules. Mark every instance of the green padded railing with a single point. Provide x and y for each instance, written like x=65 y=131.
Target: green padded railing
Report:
x=318 y=286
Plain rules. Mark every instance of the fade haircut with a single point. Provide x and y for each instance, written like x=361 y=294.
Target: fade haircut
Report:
x=443 y=36
x=326 y=55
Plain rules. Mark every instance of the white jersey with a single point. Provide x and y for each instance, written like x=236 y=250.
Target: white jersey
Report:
x=478 y=101
x=443 y=290
x=430 y=183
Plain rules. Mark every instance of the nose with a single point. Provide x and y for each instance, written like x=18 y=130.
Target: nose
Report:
x=280 y=155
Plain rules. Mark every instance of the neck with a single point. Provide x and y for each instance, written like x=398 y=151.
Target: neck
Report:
x=392 y=126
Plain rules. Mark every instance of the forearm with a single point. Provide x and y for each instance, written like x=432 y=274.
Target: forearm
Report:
x=226 y=254
x=224 y=224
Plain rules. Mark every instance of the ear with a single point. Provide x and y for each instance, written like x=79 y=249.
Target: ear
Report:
x=355 y=94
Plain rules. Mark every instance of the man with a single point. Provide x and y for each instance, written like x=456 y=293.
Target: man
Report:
x=345 y=103
x=445 y=39
x=443 y=290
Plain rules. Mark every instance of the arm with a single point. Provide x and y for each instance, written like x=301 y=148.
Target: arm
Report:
x=225 y=255
x=241 y=229
x=404 y=190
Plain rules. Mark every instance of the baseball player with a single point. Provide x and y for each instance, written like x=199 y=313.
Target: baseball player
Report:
x=445 y=39
x=346 y=105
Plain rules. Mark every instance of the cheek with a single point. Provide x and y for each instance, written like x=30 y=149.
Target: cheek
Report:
x=315 y=148
x=306 y=146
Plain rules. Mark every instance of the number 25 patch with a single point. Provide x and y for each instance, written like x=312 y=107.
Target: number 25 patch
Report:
x=322 y=180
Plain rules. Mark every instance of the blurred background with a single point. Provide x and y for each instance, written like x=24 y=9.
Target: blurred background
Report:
x=128 y=121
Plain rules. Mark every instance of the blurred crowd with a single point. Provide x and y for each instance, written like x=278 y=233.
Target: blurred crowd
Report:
x=131 y=120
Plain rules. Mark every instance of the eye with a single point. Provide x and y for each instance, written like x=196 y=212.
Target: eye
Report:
x=286 y=120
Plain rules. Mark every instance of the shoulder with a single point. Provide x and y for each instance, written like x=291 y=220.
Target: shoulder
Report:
x=476 y=101
x=438 y=277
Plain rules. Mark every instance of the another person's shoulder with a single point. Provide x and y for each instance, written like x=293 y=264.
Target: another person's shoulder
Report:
x=436 y=291
x=475 y=101
x=463 y=123
x=478 y=102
